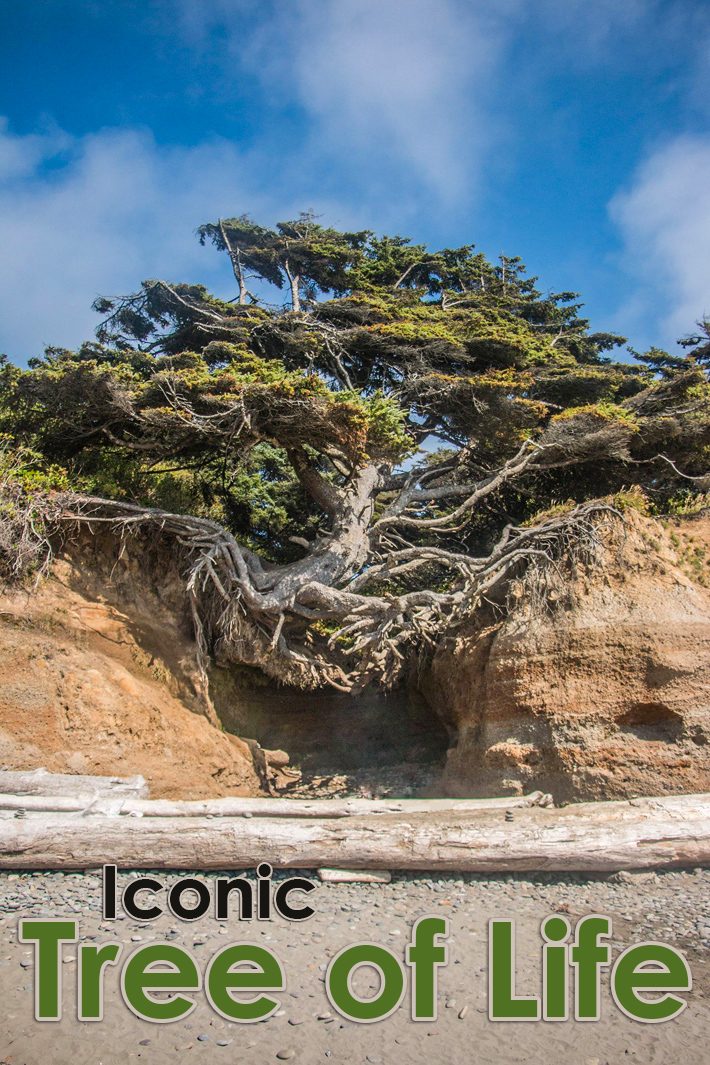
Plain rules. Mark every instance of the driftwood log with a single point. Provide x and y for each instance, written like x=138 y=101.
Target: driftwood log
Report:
x=324 y=809
x=69 y=785
x=593 y=837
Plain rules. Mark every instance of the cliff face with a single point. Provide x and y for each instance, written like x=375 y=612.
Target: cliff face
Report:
x=602 y=690
x=602 y=695
x=98 y=675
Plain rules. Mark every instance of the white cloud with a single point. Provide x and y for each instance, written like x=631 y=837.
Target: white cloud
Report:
x=396 y=98
x=411 y=93
x=112 y=210
x=405 y=82
x=19 y=156
x=407 y=112
x=664 y=220
x=400 y=93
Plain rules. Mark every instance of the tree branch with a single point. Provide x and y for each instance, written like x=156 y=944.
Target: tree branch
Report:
x=319 y=488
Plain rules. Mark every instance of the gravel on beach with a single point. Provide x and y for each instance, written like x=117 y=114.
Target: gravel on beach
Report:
x=670 y=907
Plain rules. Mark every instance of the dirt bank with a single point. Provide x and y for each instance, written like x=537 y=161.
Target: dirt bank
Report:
x=84 y=688
x=595 y=686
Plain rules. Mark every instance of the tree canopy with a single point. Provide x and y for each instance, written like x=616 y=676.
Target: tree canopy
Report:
x=351 y=469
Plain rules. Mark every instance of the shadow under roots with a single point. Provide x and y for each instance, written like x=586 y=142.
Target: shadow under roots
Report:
x=370 y=744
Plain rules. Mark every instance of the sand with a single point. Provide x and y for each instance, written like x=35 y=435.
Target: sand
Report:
x=671 y=907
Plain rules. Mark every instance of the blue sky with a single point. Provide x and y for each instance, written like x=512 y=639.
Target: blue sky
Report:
x=575 y=134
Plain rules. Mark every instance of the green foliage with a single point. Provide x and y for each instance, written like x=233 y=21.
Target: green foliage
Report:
x=697 y=344
x=214 y=407
x=300 y=254
x=684 y=504
x=28 y=469
x=632 y=499
x=604 y=411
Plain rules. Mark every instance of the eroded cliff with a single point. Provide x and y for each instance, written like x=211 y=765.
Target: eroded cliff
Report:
x=598 y=686
x=593 y=683
x=98 y=675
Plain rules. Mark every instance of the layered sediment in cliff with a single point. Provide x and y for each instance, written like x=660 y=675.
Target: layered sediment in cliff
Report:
x=98 y=675
x=591 y=681
x=596 y=687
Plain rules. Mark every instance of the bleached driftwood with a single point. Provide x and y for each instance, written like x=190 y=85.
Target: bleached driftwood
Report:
x=68 y=785
x=636 y=834
x=354 y=876
x=244 y=807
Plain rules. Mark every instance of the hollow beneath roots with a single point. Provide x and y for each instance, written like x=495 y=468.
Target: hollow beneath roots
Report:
x=373 y=743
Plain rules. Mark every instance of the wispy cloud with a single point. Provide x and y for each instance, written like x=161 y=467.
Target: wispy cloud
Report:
x=20 y=156
x=664 y=220
x=407 y=100
x=405 y=85
x=396 y=114
x=395 y=99
x=111 y=210
x=401 y=90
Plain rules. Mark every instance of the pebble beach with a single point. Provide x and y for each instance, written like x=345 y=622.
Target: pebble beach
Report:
x=670 y=907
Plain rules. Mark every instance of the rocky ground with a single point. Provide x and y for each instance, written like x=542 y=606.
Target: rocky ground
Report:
x=385 y=782
x=672 y=907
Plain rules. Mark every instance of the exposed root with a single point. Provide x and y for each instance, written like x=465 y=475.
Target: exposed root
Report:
x=25 y=543
x=304 y=632
x=383 y=639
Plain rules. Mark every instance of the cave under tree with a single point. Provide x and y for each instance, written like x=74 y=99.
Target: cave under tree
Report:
x=350 y=472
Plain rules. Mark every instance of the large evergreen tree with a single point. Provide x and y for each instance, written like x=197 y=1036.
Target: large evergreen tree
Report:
x=281 y=446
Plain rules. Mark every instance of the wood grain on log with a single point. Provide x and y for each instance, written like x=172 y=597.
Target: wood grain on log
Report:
x=245 y=807
x=592 y=837
x=68 y=785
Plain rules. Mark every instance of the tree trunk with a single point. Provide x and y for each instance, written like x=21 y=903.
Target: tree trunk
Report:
x=586 y=837
x=236 y=261
x=294 y=284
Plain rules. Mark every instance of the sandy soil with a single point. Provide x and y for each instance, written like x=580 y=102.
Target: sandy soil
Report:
x=84 y=689
x=672 y=907
x=600 y=694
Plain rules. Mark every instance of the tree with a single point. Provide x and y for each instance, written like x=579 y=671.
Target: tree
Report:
x=699 y=343
x=281 y=448
x=301 y=254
